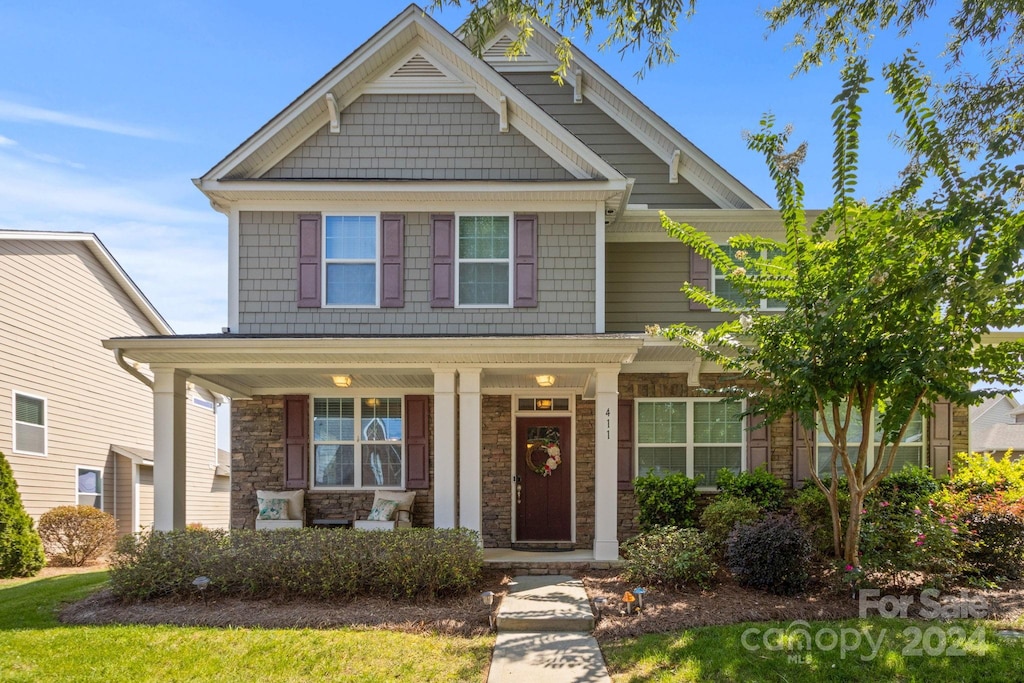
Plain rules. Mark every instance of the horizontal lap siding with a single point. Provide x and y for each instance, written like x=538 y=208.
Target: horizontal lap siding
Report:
x=267 y=296
x=418 y=137
x=612 y=142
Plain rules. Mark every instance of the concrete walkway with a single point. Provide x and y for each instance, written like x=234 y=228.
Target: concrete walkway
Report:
x=544 y=626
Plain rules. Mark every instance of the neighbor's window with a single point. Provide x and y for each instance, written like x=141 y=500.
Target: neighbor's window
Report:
x=910 y=452
x=725 y=289
x=29 y=424
x=689 y=436
x=484 y=271
x=90 y=487
x=350 y=260
x=357 y=442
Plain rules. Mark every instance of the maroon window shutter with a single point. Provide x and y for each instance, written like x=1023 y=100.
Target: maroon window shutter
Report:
x=700 y=276
x=525 y=262
x=442 y=261
x=940 y=437
x=417 y=442
x=625 y=445
x=758 y=442
x=309 y=261
x=296 y=441
x=801 y=464
x=392 y=261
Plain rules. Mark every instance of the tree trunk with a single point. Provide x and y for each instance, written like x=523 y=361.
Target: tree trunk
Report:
x=851 y=546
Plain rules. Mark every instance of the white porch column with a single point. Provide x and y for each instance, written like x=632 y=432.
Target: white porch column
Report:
x=470 y=499
x=606 y=515
x=444 y=449
x=168 y=449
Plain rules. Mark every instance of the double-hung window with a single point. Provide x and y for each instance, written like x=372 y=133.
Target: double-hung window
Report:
x=358 y=443
x=910 y=451
x=89 y=482
x=692 y=436
x=29 y=424
x=484 y=260
x=351 y=254
x=725 y=289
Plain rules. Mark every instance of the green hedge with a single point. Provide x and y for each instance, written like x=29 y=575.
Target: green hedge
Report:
x=313 y=563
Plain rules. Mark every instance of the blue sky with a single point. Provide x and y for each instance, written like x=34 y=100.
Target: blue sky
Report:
x=108 y=109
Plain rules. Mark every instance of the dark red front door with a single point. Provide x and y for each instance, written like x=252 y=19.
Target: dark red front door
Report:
x=543 y=501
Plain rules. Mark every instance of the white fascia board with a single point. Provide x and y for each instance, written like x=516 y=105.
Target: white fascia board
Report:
x=436 y=204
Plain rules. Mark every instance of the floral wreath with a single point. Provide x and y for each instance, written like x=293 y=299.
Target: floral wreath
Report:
x=552 y=458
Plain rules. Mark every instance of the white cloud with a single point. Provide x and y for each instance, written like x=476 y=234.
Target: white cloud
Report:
x=23 y=113
x=6 y=142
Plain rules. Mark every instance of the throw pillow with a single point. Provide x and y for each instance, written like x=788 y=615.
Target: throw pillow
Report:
x=383 y=510
x=274 y=508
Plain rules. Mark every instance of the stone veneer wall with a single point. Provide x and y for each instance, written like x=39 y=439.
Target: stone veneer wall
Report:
x=496 y=470
x=586 y=463
x=257 y=462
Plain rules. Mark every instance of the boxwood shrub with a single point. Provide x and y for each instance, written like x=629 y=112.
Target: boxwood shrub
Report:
x=669 y=500
x=311 y=563
x=669 y=556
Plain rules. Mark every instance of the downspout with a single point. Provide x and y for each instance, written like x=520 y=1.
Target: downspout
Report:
x=131 y=369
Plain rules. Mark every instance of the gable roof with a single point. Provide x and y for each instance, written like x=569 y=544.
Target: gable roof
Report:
x=105 y=259
x=411 y=49
x=594 y=83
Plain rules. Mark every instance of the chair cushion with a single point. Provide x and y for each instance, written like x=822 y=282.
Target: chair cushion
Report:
x=404 y=499
x=383 y=510
x=296 y=501
x=273 y=508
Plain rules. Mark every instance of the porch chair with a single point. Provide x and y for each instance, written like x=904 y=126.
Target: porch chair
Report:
x=391 y=510
x=280 y=509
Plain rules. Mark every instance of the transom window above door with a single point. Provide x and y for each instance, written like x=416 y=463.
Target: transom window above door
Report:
x=484 y=260
x=351 y=256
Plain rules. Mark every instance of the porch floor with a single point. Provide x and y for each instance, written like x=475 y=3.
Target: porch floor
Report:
x=539 y=562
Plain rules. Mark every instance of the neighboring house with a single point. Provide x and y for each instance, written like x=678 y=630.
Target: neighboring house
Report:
x=76 y=428
x=997 y=426
x=440 y=266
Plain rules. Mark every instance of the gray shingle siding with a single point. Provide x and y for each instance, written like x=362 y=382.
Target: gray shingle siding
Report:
x=418 y=137
x=267 y=282
x=613 y=143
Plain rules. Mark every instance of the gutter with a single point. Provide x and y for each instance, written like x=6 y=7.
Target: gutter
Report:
x=130 y=369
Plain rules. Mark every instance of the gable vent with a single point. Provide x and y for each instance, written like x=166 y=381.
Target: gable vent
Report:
x=499 y=49
x=418 y=67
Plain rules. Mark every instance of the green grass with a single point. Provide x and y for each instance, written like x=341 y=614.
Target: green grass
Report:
x=718 y=653
x=34 y=646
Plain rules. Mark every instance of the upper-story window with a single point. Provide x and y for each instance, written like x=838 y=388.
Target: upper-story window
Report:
x=910 y=451
x=484 y=260
x=351 y=256
x=29 y=424
x=725 y=289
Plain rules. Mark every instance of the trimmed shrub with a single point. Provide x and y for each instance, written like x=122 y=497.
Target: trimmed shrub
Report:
x=312 y=563
x=76 y=534
x=996 y=548
x=907 y=488
x=723 y=514
x=759 y=486
x=771 y=554
x=981 y=473
x=811 y=506
x=670 y=500
x=21 y=551
x=669 y=556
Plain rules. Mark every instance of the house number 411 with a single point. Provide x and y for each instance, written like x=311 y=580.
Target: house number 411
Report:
x=608 y=424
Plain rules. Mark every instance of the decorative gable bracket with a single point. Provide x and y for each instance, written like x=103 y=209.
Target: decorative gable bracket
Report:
x=577 y=88
x=673 y=166
x=503 y=114
x=332 y=107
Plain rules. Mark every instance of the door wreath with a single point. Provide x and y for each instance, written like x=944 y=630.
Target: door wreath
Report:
x=552 y=458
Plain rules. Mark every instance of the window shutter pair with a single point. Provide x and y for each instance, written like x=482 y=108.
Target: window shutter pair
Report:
x=443 y=247
x=392 y=265
x=297 y=442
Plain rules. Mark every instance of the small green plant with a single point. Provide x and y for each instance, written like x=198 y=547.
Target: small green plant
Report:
x=906 y=488
x=76 y=534
x=21 y=552
x=759 y=486
x=669 y=500
x=811 y=506
x=771 y=554
x=723 y=514
x=982 y=473
x=669 y=556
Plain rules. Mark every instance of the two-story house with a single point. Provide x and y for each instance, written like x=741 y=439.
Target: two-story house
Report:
x=441 y=268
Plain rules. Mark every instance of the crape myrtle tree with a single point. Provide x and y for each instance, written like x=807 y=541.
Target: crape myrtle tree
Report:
x=888 y=304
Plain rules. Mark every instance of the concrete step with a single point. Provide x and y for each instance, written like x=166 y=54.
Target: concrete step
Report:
x=547 y=658
x=545 y=604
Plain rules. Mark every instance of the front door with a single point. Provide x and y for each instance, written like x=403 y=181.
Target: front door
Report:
x=543 y=479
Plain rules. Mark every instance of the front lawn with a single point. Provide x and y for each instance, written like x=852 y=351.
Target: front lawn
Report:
x=34 y=646
x=927 y=651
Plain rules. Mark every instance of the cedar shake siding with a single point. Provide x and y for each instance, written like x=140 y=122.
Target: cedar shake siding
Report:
x=618 y=147
x=418 y=137
x=269 y=302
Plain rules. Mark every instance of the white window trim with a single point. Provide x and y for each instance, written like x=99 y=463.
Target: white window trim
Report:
x=690 y=445
x=821 y=440
x=357 y=442
x=325 y=261
x=78 y=473
x=509 y=261
x=717 y=275
x=14 y=423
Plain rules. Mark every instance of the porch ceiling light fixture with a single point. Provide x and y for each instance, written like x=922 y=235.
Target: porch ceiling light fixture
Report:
x=342 y=381
x=545 y=380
